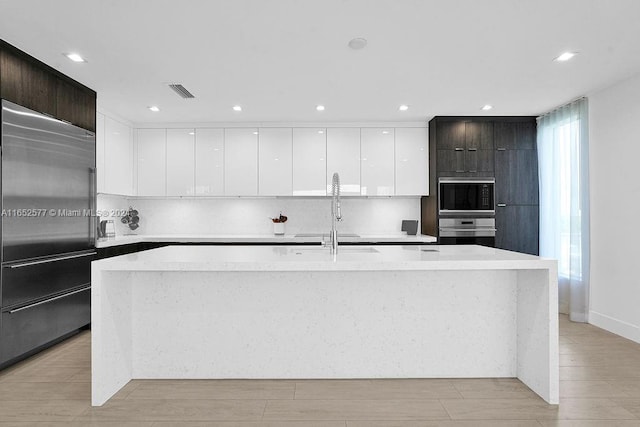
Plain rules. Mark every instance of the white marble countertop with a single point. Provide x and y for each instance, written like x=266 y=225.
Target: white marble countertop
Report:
x=318 y=258
x=261 y=238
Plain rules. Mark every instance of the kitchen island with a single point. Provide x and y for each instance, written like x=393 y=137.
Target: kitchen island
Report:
x=198 y=312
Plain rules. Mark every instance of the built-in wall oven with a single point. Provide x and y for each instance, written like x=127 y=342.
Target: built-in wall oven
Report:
x=466 y=211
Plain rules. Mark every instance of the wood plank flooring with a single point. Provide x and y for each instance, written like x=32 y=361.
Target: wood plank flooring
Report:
x=600 y=386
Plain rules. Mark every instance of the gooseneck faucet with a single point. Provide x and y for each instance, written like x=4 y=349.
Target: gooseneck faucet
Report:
x=336 y=213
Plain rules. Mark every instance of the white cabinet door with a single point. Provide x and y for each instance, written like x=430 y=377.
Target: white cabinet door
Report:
x=152 y=162
x=377 y=163
x=274 y=161
x=241 y=162
x=100 y=165
x=118 y=158
x=309 y=162
x=412 y=162
x=181 y=162
x=209 y=162
x=343 y=156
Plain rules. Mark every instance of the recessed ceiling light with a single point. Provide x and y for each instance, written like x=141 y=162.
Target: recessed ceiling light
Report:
x=385 y=132
x=320 y=131
x=255 y=132
x=403 y=108
x=154 y=108
x=320 y=107
x=487 y=107
x=237 y=108
x=565 y=56
x=357 y=43
x=192 y=133
x=75 y=57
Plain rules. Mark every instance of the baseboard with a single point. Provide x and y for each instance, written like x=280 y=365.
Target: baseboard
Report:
x=618 y=327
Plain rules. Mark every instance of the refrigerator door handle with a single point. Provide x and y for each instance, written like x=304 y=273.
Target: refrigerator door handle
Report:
x=77 y=291
x=93 y=191
x=44 y=261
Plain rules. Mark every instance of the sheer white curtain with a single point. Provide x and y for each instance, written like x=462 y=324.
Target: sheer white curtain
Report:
x=563 y=158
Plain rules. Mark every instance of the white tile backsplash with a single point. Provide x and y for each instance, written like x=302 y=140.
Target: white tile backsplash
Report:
x=251 y=215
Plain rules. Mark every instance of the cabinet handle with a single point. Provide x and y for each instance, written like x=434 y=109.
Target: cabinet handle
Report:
x=459 y=149
x=473 y=149
x=502 y=149
x=502 y=205
x=460 y=171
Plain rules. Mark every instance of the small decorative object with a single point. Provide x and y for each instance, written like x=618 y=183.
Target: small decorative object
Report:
x=131 y=218
x=278 y=224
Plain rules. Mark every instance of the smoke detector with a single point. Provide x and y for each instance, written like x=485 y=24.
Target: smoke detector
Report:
x=357 y=43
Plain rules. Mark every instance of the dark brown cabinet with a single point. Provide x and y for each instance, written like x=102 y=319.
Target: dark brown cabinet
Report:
x=517 y=228
x=33 y=84
x=500 y=147
x=517 y=199
x=516 y=177
x=465 y=148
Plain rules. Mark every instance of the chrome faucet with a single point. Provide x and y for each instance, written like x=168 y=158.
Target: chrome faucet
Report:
x=336 y=213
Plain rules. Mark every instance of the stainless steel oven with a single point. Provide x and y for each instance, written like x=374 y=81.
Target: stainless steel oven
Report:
x=466 y=196
x=467 y=231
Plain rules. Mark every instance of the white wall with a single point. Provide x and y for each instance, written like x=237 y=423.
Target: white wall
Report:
x=614 y=115
x=248 y=215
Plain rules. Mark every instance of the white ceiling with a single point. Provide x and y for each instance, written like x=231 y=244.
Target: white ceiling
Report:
x=279 y=58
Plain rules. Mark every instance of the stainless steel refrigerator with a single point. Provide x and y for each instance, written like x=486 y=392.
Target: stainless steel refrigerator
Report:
x=48 y=230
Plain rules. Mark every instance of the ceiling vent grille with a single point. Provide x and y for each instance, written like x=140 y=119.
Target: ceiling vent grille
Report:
x=181 y=90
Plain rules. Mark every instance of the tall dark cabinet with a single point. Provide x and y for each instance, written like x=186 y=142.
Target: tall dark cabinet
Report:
x=500 y=147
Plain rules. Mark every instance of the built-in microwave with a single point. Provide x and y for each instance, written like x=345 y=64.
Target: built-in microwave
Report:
x=466 y=196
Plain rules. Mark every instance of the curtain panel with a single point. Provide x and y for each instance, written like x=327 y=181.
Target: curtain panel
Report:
x=563 y=158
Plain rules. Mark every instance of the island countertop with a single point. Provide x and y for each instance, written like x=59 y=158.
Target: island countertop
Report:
x=318 y=258
x=299 y=311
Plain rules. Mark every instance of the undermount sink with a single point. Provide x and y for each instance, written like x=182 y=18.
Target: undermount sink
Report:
x=325 y=235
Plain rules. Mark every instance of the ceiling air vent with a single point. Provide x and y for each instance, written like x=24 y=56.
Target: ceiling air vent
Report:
x=181 y=90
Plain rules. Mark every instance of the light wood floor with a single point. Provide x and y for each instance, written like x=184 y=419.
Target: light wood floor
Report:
x=599 y=373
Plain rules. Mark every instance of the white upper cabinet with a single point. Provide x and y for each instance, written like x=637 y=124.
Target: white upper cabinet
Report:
x=274 y=161
x=343 y=156
x=152 y=162
x=412 y=162
x=377 y=161
x=309 y=162
x=209 y=162
x=241 y=162
x=181 y=162
x=118 y=157
x=100 y=165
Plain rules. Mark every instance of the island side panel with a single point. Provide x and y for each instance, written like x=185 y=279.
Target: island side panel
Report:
x=538 y=359
x=357 y=324
x=111 y=344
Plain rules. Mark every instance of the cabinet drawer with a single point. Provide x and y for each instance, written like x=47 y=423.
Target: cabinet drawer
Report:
x=27 y=281
x=25 y=329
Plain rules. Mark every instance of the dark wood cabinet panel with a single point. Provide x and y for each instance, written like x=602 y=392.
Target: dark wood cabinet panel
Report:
x=75 y=105
x=26 y=84
x=33 y=84
x=515 y=135
x=479 y=161
x=516 y=177
x=451 y=161
x=479 y=135
x=517 y=228
x=450 y=135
